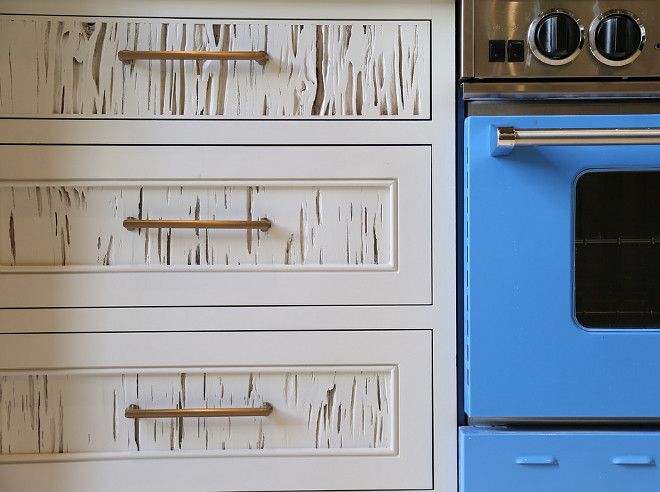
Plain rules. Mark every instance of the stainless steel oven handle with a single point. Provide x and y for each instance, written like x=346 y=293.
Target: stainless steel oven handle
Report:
x=507 y=138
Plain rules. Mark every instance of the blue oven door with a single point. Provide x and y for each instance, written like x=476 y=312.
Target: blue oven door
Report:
x=562 y=273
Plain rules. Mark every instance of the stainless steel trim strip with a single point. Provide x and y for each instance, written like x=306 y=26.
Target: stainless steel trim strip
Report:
x=508 y=138
x=467 y=46
x=488 y=91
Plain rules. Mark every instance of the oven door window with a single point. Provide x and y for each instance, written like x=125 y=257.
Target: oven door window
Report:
x=617 y=250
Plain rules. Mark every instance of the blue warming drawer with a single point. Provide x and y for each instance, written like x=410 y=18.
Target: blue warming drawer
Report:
x=496 y=459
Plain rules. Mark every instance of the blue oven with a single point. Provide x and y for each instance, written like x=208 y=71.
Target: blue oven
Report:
x=560 y=182
x=562 y=268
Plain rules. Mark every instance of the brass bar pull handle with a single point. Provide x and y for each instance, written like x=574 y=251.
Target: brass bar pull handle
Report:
x=505 y=139
x=131 y=223
x=135 y=412
x=260 y=57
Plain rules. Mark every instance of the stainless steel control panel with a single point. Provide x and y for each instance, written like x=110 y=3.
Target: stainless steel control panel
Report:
x=505 y=39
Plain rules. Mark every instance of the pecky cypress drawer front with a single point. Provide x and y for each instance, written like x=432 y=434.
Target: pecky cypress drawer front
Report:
x=351 y=411
x=307 y=225
x=70 y=66
x=332 y=408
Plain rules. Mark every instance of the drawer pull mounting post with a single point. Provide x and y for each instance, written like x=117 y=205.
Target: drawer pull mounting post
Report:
x=131 y=223
x=135 y=412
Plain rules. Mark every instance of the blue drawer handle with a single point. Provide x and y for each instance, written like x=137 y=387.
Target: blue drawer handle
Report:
x=536 y=460
x=633 y=460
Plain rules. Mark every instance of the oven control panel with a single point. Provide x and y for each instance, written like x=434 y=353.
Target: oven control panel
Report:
x=558 y=38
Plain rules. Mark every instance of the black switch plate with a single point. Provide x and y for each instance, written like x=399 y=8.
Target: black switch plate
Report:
x=516 y=50
x=496 y=50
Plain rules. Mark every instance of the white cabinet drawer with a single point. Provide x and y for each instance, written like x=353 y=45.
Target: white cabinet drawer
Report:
x=350 y=225
x=70 y=66
x=339 y=406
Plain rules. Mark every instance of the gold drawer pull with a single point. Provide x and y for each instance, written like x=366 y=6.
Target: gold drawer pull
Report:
x=260 y=57
x=131 y=223
x=135 y=412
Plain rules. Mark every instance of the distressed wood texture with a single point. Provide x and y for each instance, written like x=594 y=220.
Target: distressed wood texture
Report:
x=78 y=412
x=69 y=66
x=323 y=224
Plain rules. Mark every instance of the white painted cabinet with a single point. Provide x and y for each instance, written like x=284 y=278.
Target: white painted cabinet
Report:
x=297 y=262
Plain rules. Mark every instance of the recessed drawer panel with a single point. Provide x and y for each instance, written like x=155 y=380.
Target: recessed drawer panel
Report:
x=70 y=66
x=558 y=460
x=331 y=408
x=336 y=407
x=324 y=224
x=298 y=225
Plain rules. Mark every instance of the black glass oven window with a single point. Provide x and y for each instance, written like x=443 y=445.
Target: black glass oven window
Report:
x=617 y=249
